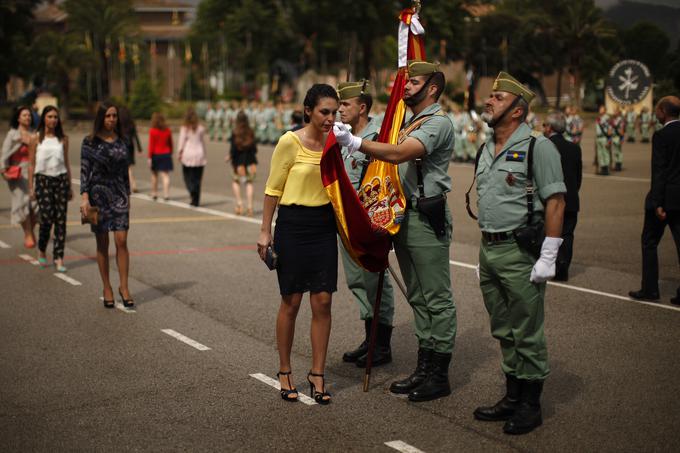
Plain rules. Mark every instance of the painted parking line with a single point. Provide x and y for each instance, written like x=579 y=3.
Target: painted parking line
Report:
x=67 y=279
x=274 y=383
x=30 y=259
x=4 y=245
x=185 y=339
x=403 y=447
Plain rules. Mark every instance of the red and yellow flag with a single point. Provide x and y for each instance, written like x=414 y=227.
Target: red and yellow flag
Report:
x=367 y=219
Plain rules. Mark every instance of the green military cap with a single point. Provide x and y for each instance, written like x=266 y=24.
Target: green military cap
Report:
x=506 y=82
x=419 y=68
x=349 y=90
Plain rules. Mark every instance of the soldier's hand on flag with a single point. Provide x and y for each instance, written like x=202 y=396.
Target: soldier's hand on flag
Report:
x=344 y=137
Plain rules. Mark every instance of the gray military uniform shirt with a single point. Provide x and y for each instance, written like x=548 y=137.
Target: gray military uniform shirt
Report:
x=437 y=136
x=501 y=180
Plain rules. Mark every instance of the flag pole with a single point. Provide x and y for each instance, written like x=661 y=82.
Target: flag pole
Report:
x=374 y=331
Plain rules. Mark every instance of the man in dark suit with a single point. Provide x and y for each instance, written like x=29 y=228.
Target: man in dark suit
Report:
x=662 y=205
x=570 y=154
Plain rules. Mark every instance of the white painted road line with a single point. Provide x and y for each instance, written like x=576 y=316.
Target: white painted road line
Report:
x=274 y=383
x=122 y=308
x=403 y=447
x=67 y=279
x=616 y=178
x=214 y=212
x=187 y=340
x=4 y=245
x=30 y=259
x=586 y=290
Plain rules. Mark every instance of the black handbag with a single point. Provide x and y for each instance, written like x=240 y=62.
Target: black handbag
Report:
x=271 y=259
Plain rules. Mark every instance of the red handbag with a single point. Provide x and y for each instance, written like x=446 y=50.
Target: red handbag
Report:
x=13 y=172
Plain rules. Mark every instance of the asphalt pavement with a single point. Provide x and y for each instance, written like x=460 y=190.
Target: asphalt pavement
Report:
x=190 y=368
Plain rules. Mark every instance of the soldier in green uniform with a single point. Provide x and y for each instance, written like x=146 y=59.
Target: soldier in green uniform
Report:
x=603 y=141
x=355 y=105
x=512 y=275
x=645 y=124
x=618 y=126
x=631 y=120
x=422 y=244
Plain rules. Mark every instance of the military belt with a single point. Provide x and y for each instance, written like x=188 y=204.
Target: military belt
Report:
x=497 y=237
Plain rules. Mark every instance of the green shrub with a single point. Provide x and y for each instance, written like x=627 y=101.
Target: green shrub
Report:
x=145 y=98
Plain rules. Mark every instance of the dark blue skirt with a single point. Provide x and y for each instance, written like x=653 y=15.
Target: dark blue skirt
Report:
x=305 y=240
x=161 y=162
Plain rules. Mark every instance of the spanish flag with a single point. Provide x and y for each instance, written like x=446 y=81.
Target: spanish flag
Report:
x=367 y=220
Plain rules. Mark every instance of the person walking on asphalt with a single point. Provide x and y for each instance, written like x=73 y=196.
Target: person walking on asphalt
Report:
x=191 y=154
x=520 y=192
x=104 y=184
x=305 y=238
x=355 y=104
x=572 y=169
x=662 y=204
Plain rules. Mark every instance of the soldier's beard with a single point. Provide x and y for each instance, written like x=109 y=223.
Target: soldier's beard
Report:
x=487 y=117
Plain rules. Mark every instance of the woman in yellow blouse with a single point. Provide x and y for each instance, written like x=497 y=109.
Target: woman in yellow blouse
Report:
x=305 y=237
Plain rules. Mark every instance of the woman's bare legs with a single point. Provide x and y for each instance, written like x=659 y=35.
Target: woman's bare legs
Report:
x=252 y=169
x=165 y=177
x=154 y=184
x=103 y=263
x=285 y=332
x=320 y=333
x=123 y=261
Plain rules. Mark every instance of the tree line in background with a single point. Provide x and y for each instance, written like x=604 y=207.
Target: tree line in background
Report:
x=281 y=39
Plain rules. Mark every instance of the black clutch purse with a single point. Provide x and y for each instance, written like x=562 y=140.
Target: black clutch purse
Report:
x=271 y=259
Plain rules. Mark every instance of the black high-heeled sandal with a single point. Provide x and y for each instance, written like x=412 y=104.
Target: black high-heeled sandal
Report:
x=322 y=397
x=129 y=303
x=286 y=393
x=109 y=303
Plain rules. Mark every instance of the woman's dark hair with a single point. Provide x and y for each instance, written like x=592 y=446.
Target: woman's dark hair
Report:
x=14 y=121
x=244 y=137
x=315 y=93
x=158 y=121
x=191 y=119
x=127 y=124
x=58 y=130
x=99 y=120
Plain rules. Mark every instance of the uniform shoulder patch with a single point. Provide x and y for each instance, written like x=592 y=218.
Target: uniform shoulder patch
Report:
x=515 y=156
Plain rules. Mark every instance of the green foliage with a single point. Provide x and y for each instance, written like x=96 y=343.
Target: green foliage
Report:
x=145 y=98
x=647 y=43
x=15 y=38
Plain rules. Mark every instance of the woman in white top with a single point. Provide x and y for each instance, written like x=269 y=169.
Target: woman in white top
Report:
x=49 y=181
x=192 y=154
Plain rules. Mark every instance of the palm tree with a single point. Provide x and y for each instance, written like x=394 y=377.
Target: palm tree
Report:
x=105 y=22
x=581 y=32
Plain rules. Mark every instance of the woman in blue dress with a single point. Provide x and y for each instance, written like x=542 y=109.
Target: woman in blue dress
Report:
x=104 y=183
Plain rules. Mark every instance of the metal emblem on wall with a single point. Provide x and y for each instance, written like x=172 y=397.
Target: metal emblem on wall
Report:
x=628 y=82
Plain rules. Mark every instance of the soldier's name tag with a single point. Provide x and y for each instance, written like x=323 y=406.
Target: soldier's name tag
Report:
x=515 y=156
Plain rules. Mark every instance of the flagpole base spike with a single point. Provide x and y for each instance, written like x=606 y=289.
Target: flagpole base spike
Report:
x=367 y=381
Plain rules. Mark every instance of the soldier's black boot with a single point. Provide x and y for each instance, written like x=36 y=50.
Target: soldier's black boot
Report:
x=353 y=356
x=505 y=408
x=604 y=171
x=437 y=383
x=617 y=166
x=527 y=416
x=418 y=376
x=382 y=353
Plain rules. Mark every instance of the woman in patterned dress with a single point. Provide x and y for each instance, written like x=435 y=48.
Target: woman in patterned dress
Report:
x=104 y=183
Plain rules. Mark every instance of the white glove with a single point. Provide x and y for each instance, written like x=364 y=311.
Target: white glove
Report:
x=544 y=269
x=345 y=138
x=477 y=272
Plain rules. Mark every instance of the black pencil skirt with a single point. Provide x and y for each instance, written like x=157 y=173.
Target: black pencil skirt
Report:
x=305 y=240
